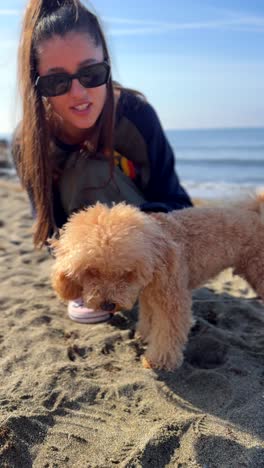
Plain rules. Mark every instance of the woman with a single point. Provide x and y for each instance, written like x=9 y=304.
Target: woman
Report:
x=83 y=138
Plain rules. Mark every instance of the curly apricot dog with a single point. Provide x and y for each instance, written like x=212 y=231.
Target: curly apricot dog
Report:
x=112 y=256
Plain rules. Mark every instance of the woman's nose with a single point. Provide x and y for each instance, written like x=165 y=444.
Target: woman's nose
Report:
x=77 y=89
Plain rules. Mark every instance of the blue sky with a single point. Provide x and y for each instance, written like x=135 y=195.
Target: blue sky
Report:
x=199 y=62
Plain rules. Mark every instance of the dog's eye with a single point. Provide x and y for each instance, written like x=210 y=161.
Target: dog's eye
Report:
x=92 y=273
x=128 y=276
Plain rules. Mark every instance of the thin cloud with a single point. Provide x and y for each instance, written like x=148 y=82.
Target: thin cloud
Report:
x=140 y=27
x=233 y=21
x=118 y=20
x=4 y=12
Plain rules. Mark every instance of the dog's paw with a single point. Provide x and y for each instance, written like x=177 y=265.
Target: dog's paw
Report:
x=146 y=363
x=141 y=336
x=142 y=332
x=167 y=360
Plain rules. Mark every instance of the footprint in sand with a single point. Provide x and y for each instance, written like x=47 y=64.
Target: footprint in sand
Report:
x=74 y=352
x=17 y=434
x=193 y=390
x=19 y=312
x=206 y=352
x=248 y=413
x=227 y=450
x=111 y=343
x=42 y=320
x=217 y=386
x=3 y=303
x=158 y=448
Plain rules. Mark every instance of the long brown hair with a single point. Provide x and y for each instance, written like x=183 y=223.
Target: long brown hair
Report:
x=42 y=20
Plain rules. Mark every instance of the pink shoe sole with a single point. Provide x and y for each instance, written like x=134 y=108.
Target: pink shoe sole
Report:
x=79 y=313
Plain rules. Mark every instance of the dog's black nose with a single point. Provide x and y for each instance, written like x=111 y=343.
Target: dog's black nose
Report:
x=108 y=306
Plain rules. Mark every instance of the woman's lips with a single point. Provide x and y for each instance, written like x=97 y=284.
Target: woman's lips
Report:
x=82 y=109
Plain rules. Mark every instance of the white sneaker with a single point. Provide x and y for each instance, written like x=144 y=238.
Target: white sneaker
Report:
x=79 y=313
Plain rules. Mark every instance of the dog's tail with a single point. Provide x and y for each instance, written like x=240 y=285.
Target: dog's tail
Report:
x=260 y=204
x=256 y=203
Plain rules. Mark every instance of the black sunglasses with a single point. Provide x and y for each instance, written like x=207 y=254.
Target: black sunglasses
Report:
x=57 y=84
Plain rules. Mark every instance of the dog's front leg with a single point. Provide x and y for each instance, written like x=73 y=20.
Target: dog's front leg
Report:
x=145 y=318
x=168 y=334
x=165 y=316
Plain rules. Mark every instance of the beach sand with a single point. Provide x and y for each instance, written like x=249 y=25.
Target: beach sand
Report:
x=76 y=396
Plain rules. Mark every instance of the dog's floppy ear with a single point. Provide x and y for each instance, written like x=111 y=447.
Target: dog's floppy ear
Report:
x=66 y=287
x=53 y=243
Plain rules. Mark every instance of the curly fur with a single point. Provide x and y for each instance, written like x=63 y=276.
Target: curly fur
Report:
x=117 y=255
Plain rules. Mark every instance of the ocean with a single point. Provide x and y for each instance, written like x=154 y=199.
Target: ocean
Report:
x=218 y=163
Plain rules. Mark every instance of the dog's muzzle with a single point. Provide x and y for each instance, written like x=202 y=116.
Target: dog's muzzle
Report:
x=108 y=306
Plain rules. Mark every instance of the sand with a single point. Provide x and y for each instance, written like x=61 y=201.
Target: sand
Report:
x=76 y=396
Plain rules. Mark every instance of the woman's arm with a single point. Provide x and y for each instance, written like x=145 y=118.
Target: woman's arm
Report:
x=164 y=190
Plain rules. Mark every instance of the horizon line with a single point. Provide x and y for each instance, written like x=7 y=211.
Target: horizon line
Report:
x=237 y=127
x=182 y=129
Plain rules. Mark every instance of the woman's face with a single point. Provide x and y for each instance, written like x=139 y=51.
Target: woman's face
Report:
x=80 y=107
